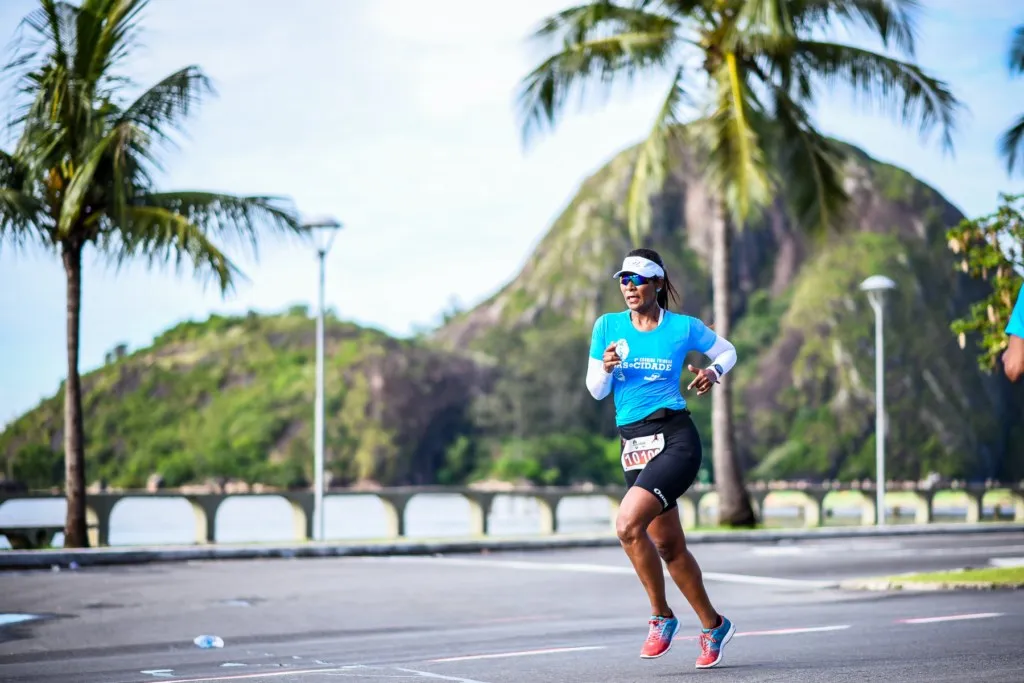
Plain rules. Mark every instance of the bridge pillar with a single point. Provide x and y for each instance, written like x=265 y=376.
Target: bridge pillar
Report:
x=866 y=499
x=701 y=497
x=394 y=510
x=548 y=511
x=691 y=517
x=1017 y=495
x=614 y=503
x=688 y=514
x=302 y=514
x=758 y=498
x=98 y=509
x=480 y=503
x=974 y=506
x=204 y=507
x=924 y=509
x=817 y=499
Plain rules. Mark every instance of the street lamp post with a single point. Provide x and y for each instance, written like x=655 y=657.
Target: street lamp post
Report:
x=323 y=231
x=875 y=287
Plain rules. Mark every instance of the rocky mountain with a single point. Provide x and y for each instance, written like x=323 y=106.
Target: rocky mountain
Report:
x=232 y=397
x=805 y=381
x=497 y=391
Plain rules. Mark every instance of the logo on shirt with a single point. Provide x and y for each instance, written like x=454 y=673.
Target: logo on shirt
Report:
x=656 y=364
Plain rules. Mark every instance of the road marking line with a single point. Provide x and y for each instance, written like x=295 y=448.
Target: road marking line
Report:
x=427 y=674
x=1007 y=561
x=790 y=631
x=521 y=653
x=910 y=551
x=951 y=617
x=264 y=674
x=767 y=580
x=555 y=650
x=612 y=569
x=8 y=618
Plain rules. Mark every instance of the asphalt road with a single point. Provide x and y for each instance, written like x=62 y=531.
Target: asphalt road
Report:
x=576 y=615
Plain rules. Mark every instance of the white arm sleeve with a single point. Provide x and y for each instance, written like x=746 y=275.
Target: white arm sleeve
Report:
x=723 y=353
x=599 y=382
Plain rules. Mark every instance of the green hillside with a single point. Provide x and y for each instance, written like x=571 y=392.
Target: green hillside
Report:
x=805 y=402
x=497 y=391
x=232 y=397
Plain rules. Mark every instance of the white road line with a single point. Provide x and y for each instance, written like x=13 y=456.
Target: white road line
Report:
x=556 y=650
x=522 y=564
x=428 y=674
x=628 y=571
x=791 y=631
x=264 y=674
x=8 y=618
x=1007 y=561
x=951 y=617
x=767 y=580
x=521 y=653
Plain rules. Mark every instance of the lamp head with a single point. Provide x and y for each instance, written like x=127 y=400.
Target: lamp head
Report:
x=877 y=283
x=323 y=229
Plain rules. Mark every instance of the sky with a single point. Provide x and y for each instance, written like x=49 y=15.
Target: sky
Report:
x=398 y=118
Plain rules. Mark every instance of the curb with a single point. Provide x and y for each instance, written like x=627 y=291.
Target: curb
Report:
x=44 y=559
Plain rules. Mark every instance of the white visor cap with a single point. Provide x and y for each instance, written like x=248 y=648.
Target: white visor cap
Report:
x=640 y=266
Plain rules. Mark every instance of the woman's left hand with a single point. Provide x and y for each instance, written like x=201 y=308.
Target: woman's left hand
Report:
x=704 y=380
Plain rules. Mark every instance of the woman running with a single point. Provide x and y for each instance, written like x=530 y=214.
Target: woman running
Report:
x=638 y=354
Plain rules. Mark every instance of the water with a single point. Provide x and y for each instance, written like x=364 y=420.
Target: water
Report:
x=167 y=521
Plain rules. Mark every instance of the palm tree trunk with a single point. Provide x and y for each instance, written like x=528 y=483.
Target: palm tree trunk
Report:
x=75 y=534
x=734 y=508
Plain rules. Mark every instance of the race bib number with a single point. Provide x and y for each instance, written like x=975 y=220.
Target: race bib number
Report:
x=636 y=453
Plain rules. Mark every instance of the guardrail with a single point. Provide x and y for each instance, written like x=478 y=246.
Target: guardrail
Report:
x=817 y=501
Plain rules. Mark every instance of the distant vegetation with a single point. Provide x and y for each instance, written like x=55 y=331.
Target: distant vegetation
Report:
x=496 y=392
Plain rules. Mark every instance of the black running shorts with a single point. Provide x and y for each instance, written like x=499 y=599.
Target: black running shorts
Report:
x=661 y=454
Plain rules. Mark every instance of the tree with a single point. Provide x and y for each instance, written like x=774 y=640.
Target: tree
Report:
x=81 y=174
x=991 y=249
x=1011 y=144
x=747 y=69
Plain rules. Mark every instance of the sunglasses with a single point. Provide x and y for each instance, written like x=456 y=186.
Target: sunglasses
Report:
x=637 y=280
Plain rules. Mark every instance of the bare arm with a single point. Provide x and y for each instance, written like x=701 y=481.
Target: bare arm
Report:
x=1013 y=358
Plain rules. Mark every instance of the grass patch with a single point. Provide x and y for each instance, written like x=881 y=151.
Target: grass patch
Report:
x=1001 y=576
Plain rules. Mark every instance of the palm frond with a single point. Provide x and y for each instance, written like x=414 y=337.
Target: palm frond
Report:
x=810 y=166
x=166 y=103
x=1011 y=144
x=893 y=21
x=161 y=237
x=21 y=214
x=106 y=37
x=654 y=158
x=174 y=227
x=771 y=17
x=599 y=19
x=1015 y=57
x=229 y=217
x=734 y=136
x=896 y=86
x=74 y=200
x=543 y=92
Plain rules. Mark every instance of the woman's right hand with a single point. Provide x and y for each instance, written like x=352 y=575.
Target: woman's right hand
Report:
x=611 y=359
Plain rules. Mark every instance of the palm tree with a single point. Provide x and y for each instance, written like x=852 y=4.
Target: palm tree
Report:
x=81 y=175
x=1012 y=142
x=748 y=69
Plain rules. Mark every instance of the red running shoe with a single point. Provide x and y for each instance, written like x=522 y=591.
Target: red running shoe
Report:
x=711 y=643
x=659 y=637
